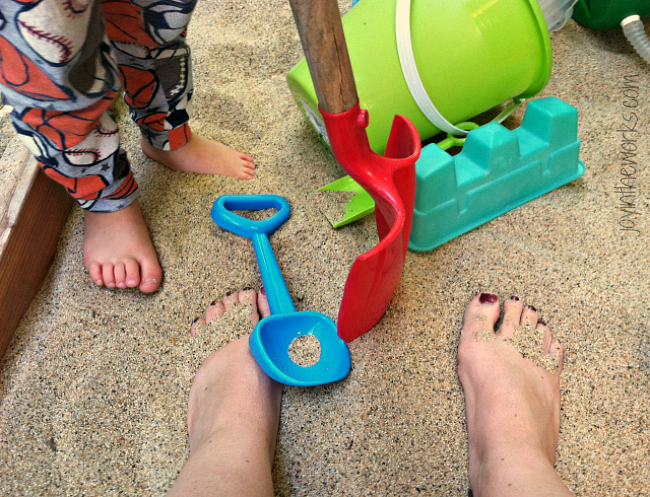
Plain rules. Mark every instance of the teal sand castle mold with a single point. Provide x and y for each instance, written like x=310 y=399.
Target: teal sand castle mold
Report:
x=497 y=171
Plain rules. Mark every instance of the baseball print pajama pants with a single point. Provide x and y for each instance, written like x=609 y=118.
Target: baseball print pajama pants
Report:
x=62 y=63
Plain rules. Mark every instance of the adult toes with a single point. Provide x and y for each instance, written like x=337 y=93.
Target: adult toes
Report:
x=249 y=296
x=108 y=274
x=214 y=311
x=556 y=350
x=150 y=276
x=547 y=336
x=230 y=300
x=529 y=316
x=512 y=309
x=481 y=315
x=196 y=324
x=263 y=304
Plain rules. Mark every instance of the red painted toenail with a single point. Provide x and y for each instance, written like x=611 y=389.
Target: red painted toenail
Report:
x=488 y=298
x=247 y=289
x=262 y=291
x=228 y=294
x=195 y=321
x=541 y=322
x=514 y=297
x=532 y=308
x=212 y=304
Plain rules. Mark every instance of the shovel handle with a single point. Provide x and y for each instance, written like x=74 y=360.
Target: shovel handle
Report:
x=258 y=231
x=276 y=289
x=223 y=216
x=321 y=33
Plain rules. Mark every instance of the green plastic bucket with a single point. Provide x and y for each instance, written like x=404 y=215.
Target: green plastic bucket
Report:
x=471 y=55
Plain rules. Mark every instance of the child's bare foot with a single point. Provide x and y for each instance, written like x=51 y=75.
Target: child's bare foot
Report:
x=232 y=419
x=201 y=155
x=118 y=251
x=512 y=404
x=259 y=310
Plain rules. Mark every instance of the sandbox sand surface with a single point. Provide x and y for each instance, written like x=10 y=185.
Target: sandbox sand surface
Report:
x=93 y=388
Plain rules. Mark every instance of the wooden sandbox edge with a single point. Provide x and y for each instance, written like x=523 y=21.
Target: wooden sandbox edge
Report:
x=31 y=220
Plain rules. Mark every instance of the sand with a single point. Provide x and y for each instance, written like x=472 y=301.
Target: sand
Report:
x=333 y=204
x=529 y=342
x=94 y=386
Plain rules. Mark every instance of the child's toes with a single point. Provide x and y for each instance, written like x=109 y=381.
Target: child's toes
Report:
x=132 y=273
x=108 y=274
x=150 y=275
x=95 y=270
x=120 y=274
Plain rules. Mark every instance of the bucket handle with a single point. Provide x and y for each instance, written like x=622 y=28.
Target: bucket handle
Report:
x=414 y=82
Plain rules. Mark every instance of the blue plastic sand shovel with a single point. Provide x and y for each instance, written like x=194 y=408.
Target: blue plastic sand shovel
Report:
x=273 y=335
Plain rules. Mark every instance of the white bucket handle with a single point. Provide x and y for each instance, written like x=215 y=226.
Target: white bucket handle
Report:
x=414 y=82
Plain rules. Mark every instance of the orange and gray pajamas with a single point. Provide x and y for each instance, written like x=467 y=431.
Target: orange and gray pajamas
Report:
x=62 y=63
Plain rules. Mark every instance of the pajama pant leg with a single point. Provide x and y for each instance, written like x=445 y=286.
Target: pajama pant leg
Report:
x=59 y=74
x=148 y=37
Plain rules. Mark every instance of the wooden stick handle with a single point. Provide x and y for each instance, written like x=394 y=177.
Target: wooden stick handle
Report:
x=321 y=33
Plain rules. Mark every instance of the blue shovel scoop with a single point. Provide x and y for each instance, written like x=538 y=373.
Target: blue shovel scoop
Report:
x=273 y=335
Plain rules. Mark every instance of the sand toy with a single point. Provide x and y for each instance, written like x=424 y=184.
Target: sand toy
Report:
x=436 y=62
x=273 y=335
x=389 y=179
x=361 y=204
x=407 y=59
x=497 y=171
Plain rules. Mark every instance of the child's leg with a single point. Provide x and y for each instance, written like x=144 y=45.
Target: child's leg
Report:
x=156 y=72
x=59 y=75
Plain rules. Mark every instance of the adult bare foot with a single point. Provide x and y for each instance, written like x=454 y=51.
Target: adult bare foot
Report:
x=232 y=418
x=512 y=404
x=201 y=155
x=259 y=308
x=118 y=251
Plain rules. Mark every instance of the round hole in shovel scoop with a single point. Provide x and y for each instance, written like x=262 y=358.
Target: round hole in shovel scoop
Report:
x=273 y=335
